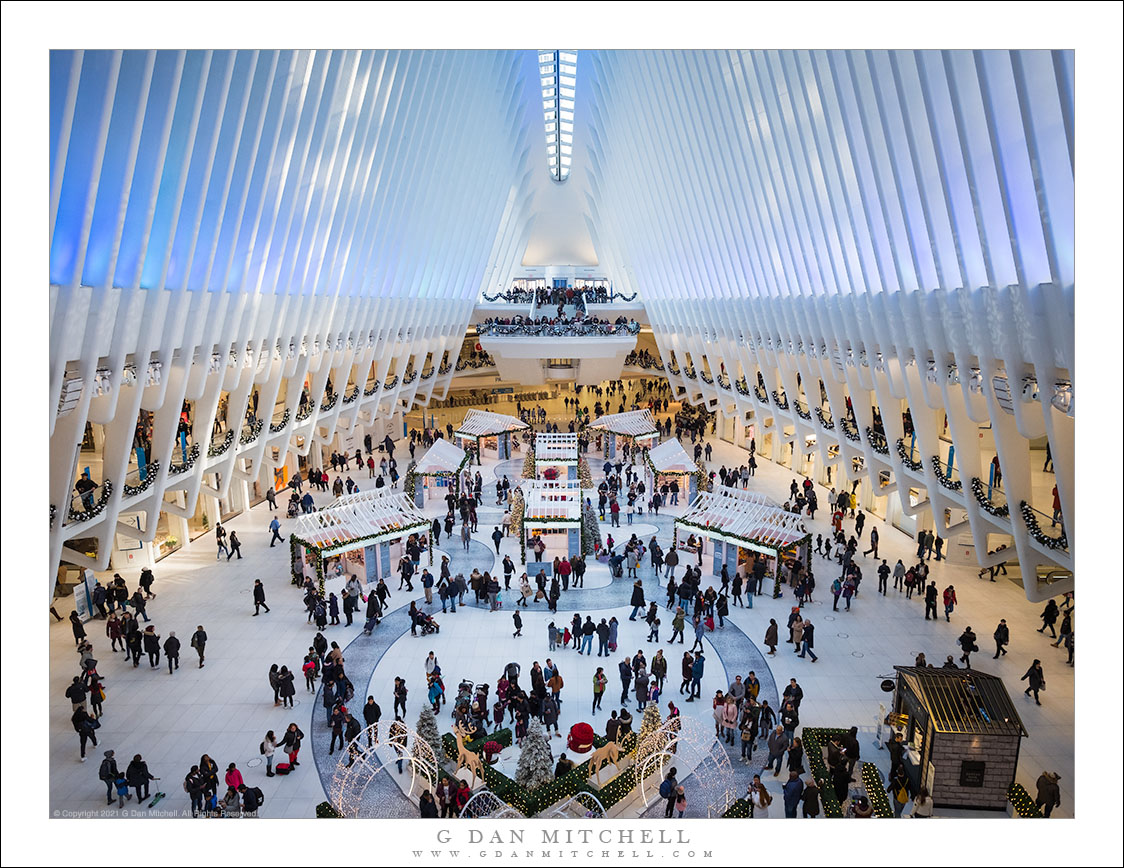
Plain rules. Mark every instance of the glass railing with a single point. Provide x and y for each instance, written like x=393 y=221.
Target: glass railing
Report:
x=993 y=502
x=947 y=475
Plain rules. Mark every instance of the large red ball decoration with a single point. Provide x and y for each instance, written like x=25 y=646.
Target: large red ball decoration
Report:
x=581 y=738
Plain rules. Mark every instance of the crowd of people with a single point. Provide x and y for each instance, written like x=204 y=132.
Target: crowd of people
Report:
x=741 y=720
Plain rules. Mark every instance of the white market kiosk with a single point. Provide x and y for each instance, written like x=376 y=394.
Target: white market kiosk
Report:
x=639 y=426
x=745 y=526
x=556 y=456
x=437 y=470
x=669 y=461
x=360 y=534
x=484 y=430
x=551 y=507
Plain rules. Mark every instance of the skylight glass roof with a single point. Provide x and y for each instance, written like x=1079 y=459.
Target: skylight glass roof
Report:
x=558 y=70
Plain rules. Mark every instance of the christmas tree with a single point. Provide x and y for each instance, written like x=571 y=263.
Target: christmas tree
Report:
x=536 y=764
x=650 y=740
x=428 y=733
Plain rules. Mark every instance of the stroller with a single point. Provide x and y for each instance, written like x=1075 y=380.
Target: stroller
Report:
x=464 y=697
x=428 y=624
x=294 y=509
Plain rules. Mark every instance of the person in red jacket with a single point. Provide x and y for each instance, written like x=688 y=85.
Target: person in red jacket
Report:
x=949 y=602
x=1057 y=508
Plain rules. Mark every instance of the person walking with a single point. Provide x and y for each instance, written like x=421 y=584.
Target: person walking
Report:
x=873 y=541
x=949 y=602
x=220 y=538
x=1002 y=637
x=1049 y=618
x=1049 y=795
x=84 y=725
x=108 y=774
x=808 y=641
x=199 y=643
x=235 y=546
x=931 y=601
x=172 y=652
x=967 y=642
x=259 y=597
x=275 y=528
x=669 y=790
x=771 y=637
x=1034 y=676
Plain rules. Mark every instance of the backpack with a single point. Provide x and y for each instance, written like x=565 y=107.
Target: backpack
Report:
x=260 y=796
x=665 y=789
x=261 y=748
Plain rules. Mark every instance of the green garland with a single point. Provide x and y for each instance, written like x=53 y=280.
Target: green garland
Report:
x=875 y=791
x=815 y=739
x=325 y=811
x=1022 y=803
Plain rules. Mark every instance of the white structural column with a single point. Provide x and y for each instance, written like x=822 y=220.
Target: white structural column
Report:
x=232 y=223
x=897 y=225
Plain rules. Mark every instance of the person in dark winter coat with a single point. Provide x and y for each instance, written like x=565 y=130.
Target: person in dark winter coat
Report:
x=172 y=652
x=137 y=776
x=637 y=603
x=259 y=597
x=1002 y=637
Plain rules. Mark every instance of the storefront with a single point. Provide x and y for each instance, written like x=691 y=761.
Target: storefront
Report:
x=636 y=428
x=962 y=735
x=669 y=462
x=169 y=528
x=377 y=525
x=552 y=510
x=556 y=456
x=745 y=527
x=486 y=433
x=435 y=473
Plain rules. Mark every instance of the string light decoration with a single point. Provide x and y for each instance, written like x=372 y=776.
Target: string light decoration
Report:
x=1031 y=521
x=815 y=739
x=192 y=457
x=826 y=421
x=875 y=791
x=583 y=805
x=1022 y=803
x=350 y=790
x=877 y=441
x=486 y=805
x=685 y=743
x=903 y=454
x=780 y=400
x=980 y=494
x=278 y=427
x=950 y=484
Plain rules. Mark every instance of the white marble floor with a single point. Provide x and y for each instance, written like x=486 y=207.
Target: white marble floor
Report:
x=226 y=708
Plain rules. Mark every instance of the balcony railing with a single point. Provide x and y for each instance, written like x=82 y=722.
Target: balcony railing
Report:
x=850 y=429
x=279 y=421
x=826 y=421
x=801 y=409
x=140 y=479
x=250 y=432
x=995 y=504
x=909 y=457
x=187 y=464
x=1035 y=521
x=760 y=393
x=84 y=507
x=219 y=447
x=557 y=330
x=352 y=395
x=948 y=477
x=877 y=441
x=780 y=399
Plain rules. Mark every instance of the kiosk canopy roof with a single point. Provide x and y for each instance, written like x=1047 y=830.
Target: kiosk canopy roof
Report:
x=481 y=423
x=634 y=423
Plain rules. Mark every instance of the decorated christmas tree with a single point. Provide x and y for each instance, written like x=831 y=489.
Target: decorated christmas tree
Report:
x=650 y=740
x=428 y=732
x=536 y=765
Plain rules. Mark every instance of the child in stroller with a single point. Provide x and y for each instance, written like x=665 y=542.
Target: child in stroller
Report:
x=427 y=623
x=294 y=509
